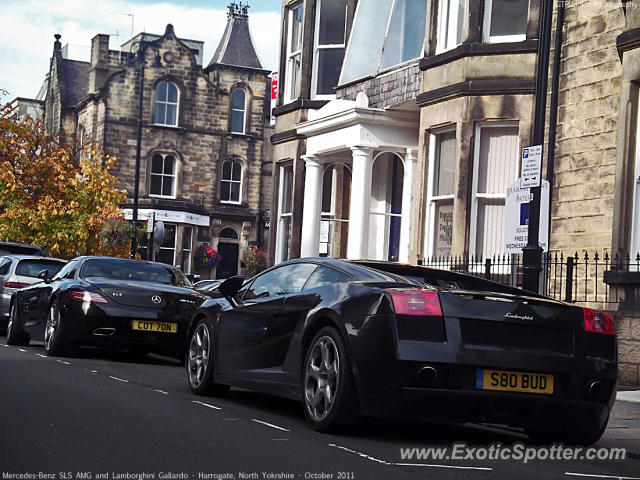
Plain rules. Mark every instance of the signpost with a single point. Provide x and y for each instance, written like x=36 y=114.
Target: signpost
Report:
x=516 y=217
x=531 y=166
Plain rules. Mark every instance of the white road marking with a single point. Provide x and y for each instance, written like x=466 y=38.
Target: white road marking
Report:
x=363 y=455
x=280 y=439
x=41 y=355
x=162 y=392
x=63 y=362
x=22 y=349
x=206 y=405
x=270 y=425
x=591 y=475
x=5 y=345
x=384 y=462
x=93 y=371
x=119 y=379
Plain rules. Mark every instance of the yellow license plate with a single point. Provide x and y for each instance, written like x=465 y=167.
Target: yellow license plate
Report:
x=147 y=326
x=514 y=381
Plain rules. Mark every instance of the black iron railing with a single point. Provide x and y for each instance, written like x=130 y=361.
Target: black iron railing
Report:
x=584 y=278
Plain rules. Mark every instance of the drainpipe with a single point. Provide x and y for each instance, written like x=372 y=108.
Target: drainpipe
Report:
x=553 y=113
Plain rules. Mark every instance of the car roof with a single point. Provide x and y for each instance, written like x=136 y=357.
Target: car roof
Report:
x=357 y=271
x=32 y=257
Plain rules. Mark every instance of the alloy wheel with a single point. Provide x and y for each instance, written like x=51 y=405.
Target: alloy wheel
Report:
x=53 y=320
x=199 y=355
x=321 y=378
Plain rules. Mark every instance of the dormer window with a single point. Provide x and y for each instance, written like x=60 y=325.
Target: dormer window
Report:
x=238 y=110
x=166 y=105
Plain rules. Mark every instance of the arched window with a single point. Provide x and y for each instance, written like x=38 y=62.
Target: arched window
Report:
x=162 y=182
x=229 y=233
x=238 y=110
x=231 y=183
x=166 y=107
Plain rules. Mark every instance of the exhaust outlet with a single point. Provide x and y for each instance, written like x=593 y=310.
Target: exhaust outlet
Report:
x=427 y=376
x=104 y=332
x=594 y=390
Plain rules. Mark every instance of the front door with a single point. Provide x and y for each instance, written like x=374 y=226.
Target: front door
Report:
x=228 y=266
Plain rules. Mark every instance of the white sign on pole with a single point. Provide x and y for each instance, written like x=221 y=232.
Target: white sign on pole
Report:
x=516 y=217
x=531 y=166
x=150 y=222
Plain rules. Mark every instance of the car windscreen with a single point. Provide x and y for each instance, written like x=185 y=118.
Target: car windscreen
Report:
x=19 y=250
x=138 y=271
x=31 y=268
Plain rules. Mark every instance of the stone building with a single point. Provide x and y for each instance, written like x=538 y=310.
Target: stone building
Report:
x=202 y=169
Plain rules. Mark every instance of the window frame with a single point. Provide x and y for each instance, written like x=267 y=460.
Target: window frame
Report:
x=486 y=28
x=330 y=216
x=443 y=35
x=232 y=181
x=316 y=57
x=289 y=94
x=189 y=251
x=244 y=111
x=634 y=246
x=175 y=245
x=166 y=103
x=282 y=233
x=174 y=183
x=434 y=200
x=474 y=182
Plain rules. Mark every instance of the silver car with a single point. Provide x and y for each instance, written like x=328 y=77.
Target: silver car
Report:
x=18 y=271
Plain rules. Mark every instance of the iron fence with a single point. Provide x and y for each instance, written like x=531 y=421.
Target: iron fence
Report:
x=583 y=278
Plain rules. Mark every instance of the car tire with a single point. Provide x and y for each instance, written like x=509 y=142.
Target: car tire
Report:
x=54 y=342
x=199 y=361
x=15 y=336
x=329 y=396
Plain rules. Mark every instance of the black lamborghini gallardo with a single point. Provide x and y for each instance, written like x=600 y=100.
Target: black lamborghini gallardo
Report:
x=383 y=339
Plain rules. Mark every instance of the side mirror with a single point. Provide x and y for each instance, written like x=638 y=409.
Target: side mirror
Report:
x=230 y=287
x=44 y=275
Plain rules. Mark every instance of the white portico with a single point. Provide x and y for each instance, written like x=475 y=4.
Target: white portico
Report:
x=360 y=164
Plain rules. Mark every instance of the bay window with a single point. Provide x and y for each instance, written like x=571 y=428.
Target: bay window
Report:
x=293 y=68
x=451 y=14
x=329 y=45
x=505 y=20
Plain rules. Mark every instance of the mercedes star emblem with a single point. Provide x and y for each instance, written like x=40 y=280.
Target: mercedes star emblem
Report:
x=156 y=299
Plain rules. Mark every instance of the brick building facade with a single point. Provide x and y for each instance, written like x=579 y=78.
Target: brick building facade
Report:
x=202 y=168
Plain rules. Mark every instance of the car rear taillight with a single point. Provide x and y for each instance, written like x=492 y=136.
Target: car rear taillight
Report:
x=408 y=301
x=598 y=322
x=15 y=285
x=88 y=296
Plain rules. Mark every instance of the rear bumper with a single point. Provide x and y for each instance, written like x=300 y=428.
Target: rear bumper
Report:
x=479 y=406
x=111 y=327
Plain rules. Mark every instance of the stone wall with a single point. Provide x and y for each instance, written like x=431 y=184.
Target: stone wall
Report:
x=387 y=89
x=589 y=100
x=628 y=331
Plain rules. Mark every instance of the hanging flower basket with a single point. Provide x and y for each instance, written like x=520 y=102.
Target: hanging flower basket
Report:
x=207 y=256
x=255 y=262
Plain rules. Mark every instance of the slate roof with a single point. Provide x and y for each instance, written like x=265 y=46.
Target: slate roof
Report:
x=236 y=46
x=76 y=81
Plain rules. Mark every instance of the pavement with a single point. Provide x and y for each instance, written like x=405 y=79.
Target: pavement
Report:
x=624 y=424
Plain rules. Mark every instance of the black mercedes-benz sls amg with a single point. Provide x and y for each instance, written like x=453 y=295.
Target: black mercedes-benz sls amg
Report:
x=106 y=302
x=383 y=339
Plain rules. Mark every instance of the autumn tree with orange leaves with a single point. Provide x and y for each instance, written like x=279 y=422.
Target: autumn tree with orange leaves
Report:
x=54 y=197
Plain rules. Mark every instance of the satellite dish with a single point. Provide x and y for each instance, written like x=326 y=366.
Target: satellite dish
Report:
x=158 y=233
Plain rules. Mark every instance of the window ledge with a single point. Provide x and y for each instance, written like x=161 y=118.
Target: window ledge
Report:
x=166 y=127
x=478 y=49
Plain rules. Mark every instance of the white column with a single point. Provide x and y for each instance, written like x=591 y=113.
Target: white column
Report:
x=357 y=246
x=410 y=159
x=310 y=244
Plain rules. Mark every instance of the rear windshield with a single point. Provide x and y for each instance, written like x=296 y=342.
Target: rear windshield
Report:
x=19 y=250
x=143 y=272
x=31 y=268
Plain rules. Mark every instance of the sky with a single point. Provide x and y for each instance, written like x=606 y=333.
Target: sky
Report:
x=28 y=26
